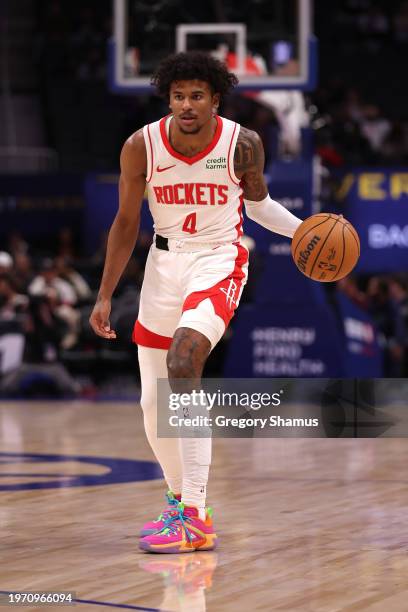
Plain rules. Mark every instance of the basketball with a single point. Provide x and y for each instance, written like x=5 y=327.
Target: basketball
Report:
x=325 y=247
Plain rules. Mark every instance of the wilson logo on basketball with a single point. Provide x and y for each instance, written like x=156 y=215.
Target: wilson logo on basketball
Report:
x=304 y=255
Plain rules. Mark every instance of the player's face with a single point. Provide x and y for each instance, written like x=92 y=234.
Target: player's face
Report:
x=193 y=105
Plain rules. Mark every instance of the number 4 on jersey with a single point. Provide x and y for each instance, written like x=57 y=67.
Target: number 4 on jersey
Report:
x=189 y=224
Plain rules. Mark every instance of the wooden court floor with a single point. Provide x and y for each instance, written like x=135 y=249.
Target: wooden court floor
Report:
x=304 y=525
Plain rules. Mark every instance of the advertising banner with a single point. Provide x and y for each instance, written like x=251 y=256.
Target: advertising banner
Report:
x=376 y=203
x=284 y=340
x=40 y=205
x=362 y=354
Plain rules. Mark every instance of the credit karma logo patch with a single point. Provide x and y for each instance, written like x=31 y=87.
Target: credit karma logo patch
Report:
x=25 y=471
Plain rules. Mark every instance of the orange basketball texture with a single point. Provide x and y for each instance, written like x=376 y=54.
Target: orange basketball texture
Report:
x=325 y=247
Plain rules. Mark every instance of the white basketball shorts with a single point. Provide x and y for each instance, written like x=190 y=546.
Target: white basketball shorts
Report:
x=199 y=290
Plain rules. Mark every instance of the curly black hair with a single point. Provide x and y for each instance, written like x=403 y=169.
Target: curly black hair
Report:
x=190 y=66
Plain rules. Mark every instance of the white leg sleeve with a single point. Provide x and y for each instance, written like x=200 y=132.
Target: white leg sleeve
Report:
x=195 y=450
x=152 y=363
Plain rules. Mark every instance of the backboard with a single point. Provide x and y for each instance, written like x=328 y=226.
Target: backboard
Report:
x=268 y=43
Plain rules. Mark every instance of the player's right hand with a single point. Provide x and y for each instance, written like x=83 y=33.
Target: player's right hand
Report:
x=99 y=319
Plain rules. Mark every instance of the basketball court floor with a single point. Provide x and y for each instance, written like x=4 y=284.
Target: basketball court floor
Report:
x=304 y=524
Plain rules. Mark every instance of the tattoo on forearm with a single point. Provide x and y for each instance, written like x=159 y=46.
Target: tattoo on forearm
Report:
x=254 y=186
x=249 y=160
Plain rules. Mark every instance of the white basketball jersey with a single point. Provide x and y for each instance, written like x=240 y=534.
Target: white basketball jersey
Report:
x=194 y=199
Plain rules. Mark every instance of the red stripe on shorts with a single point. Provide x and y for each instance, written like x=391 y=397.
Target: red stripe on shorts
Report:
x=224 y=295
x=145 y=337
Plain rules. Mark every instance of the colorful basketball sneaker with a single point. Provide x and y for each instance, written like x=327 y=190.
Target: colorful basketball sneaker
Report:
x=158 y=524
x=183 y=532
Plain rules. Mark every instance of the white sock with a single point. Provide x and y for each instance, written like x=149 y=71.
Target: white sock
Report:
x=196 y=459
x=152 y=363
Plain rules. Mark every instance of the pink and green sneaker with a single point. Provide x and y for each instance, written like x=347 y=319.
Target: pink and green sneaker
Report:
x=183 y=532
x=158 y=524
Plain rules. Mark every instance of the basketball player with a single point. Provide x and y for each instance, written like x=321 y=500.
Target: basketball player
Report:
x=199 y=170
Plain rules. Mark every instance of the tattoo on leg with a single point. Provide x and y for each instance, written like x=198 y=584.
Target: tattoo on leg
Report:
x=186 y=359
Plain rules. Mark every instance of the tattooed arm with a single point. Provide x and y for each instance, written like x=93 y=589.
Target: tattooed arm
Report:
x=249 y=160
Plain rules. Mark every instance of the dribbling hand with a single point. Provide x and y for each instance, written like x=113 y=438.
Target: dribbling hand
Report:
x=99 y=319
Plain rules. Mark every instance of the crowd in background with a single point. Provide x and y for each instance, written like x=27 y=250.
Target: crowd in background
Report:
x=46 y=296
x=361 y=98
x=385 y=298
x=353 y=131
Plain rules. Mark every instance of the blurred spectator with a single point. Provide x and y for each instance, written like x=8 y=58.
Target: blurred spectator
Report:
x=14 y=323
x=354 y=105
x=352 y=145
x=374 y=126
x=389 y=321
x=66 y=243
x=6 y=262
x=65 y=271
x=12 y=304
x=60 y=296
x=22 y=271
x=17 y=244
x=47 y=283
x=398 y=287
x=348 y=285
x=395 y=145
x=29 y=330
x=44 y=339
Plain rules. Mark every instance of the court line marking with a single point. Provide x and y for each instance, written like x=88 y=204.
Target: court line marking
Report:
x=119 y=471
x=103 y=603
x=113 y=605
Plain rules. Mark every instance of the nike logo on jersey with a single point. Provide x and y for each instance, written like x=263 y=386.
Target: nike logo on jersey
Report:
x=164 y=169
